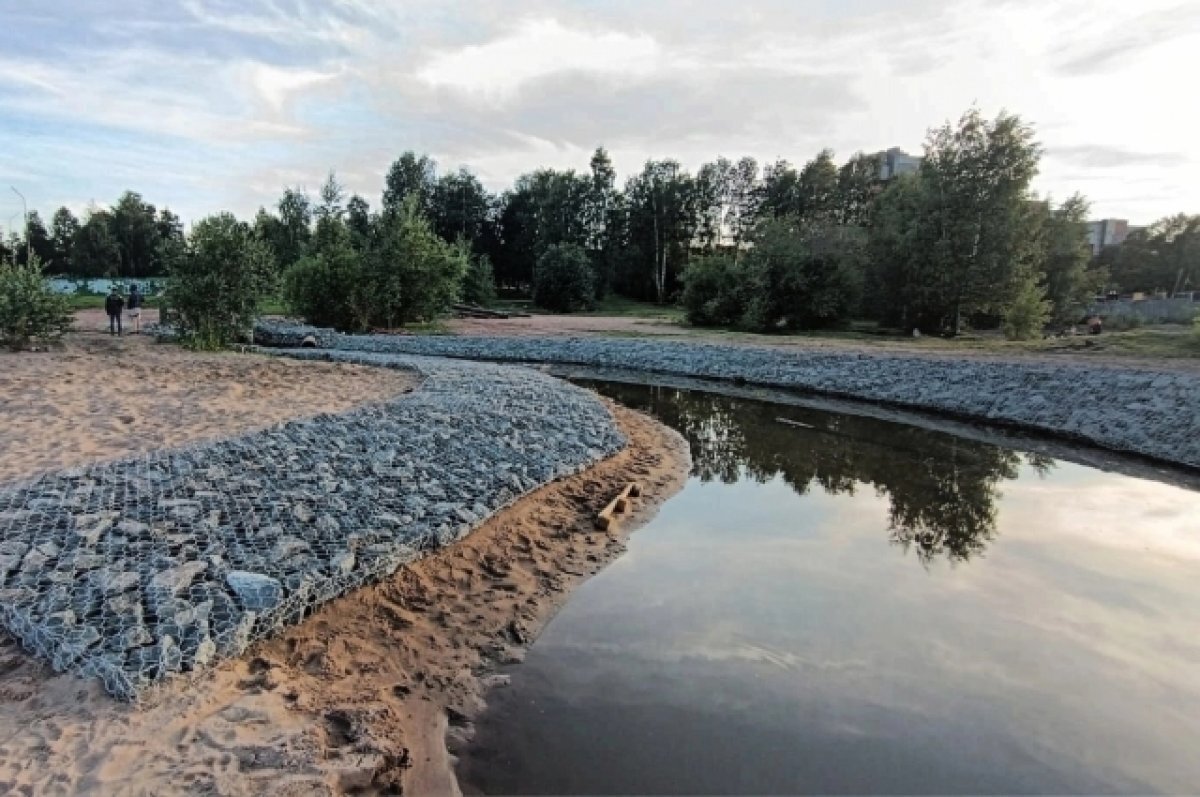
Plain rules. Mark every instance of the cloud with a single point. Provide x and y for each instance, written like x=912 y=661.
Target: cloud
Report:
x=538 y=49
x=1126 y=39
x=1098 y=156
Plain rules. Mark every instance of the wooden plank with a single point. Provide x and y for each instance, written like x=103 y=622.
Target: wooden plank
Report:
x=618 y=506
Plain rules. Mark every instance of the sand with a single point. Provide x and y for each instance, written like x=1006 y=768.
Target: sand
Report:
x=101 y=397
x=360 y=697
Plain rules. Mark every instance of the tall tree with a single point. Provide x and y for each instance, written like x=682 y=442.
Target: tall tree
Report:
x=38 y=241
x=817 y=189
x=1070 y=280
x=95 y=252
x=858 y=181
x=662 y=223
x=602 y=220
x=294 y=231
x=977 y=174
x=133 y=224
x=459 y=208
x=410 y=176
x=358 y=219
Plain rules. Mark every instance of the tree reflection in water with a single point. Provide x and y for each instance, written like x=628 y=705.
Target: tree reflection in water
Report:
x=942 y=489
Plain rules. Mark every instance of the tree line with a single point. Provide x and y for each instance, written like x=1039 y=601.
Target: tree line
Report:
x=961 y=243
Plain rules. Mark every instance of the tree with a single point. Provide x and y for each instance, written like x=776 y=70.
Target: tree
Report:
x=562 y=281
x=95 y=252
x=779 y=191
x=411 y=273
x=294 y=229
x=133 y=225
x=602 y=220
x=171 y=240
x=38 y=240
x=217 y=284
x=662 y=225
x=29 y=309
x=459 y=208
x=358 y=218
x=1028 y=313
x=1162 y=257
x=327 y=286
x=410 y=177
x=1070 y=281
x=479 y=284
x=817 y=189
x=802 y=274
x=857 y=187
x=712 y=292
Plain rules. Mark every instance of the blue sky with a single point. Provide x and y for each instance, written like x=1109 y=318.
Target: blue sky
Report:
x=204 y=105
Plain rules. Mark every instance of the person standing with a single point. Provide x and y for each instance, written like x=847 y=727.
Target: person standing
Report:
x=113 y=305
x=135 y=309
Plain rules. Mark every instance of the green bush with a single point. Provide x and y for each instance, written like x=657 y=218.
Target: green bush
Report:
x=563 y=281
x=411 y=273
x=217 y=282
x=29 y=309
x=711 y=293
x=1029 y=312
x=479 y=284
x=802 y=275
x=326 y=287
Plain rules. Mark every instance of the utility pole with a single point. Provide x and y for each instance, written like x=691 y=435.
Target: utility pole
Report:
x=28 y=243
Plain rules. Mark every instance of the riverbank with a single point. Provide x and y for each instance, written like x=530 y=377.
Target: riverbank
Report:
x=359 y=697
x=1136 y=410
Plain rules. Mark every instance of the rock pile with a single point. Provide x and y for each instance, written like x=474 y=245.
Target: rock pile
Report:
x=134 y=570
x=1146 y=412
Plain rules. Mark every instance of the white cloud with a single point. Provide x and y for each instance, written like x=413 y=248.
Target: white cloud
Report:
x=537 y=49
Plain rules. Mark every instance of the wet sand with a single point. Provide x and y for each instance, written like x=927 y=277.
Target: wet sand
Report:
x=361 y=696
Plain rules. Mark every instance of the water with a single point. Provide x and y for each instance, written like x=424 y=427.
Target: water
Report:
x=860 y=606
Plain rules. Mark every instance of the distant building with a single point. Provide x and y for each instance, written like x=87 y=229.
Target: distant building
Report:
x=895 y=162
x=1107 y=232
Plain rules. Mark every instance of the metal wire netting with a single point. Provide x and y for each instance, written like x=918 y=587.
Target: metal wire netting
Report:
x=138 y=570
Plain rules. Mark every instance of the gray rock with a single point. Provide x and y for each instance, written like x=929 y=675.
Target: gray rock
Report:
x=255 y=591
x=343 y=563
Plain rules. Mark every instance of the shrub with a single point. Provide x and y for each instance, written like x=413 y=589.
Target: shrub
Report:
x=29 y=309
x=217 y=282
x=563 y=280
x=711 y=293
x=411 y=273
x=1029 y=312
x=325 y=287
x=479 y=284
x=803 y=275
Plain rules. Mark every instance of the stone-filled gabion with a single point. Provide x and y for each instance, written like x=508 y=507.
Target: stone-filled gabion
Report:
x=285 y=334
x=1147 y=412
x=133 y=570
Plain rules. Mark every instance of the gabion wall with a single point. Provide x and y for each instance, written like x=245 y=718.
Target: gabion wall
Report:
x=1143 y=411
x=135 y=570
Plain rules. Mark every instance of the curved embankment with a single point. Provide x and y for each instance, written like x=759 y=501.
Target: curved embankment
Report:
x=133 y=570
x=1143 y=412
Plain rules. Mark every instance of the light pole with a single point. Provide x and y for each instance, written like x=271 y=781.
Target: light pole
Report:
x=25 y=207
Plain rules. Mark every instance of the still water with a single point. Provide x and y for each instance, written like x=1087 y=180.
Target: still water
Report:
x=854 y=605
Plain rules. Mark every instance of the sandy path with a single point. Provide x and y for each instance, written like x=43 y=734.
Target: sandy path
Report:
x=102 y=398
x=359 y=697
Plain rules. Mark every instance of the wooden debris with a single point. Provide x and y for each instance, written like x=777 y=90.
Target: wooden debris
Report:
x=620 y=505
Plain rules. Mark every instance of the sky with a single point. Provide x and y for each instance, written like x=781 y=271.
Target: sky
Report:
x=208 y=105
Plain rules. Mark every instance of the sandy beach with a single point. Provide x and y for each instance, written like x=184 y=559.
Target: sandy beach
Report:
x=360 y=697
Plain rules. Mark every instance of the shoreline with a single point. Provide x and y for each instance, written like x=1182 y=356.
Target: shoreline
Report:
x=366 y=693
x=1147 y=413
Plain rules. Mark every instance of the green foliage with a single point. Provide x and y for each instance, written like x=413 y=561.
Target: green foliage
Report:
x=711 y=293
x=29 y=309
x=1028 y=313
x=1162 y=257
x=218 y=281
x=1071 y=281
x=562 y=281
x=802 y=275
x=412 y=274
x=479 y=285
x=326 y=287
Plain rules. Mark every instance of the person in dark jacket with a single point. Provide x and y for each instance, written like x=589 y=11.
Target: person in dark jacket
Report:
x=113 y=305
x=134 y=306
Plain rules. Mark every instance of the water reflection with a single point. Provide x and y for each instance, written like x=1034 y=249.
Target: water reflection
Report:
x=942 y=489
